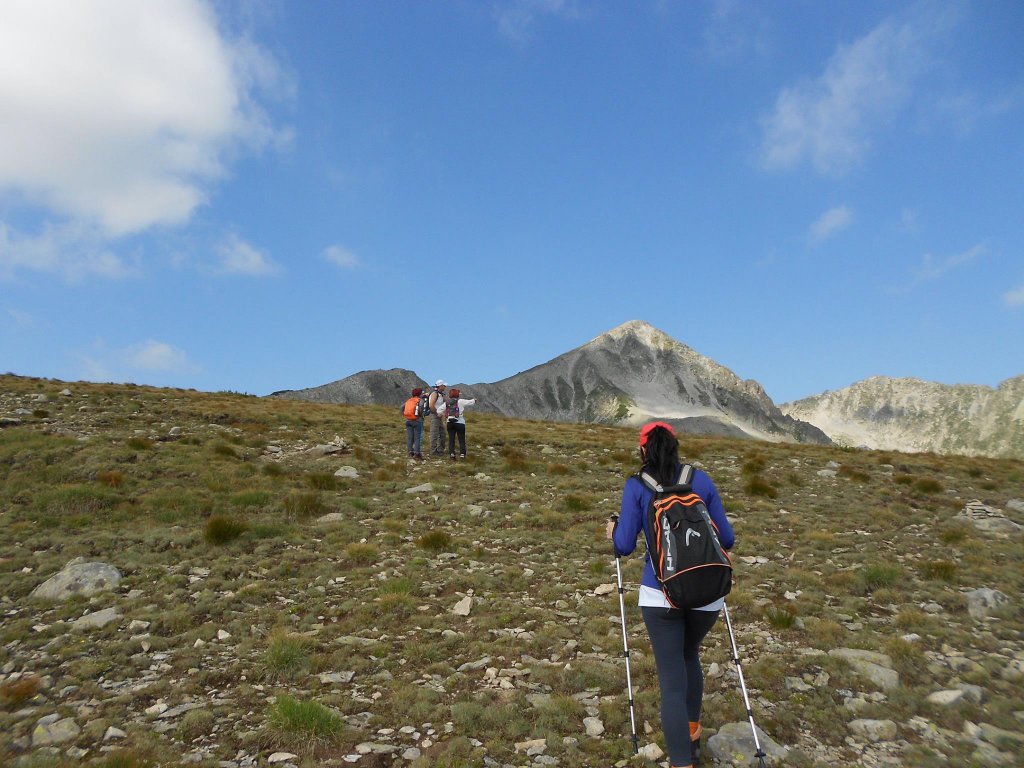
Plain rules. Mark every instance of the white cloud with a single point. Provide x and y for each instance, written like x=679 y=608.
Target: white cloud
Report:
x=70 y=250
x=153 y=355
x=156 y=360
x=933 y=267
x=516 y=18
x=1014 y=298
x=238 y=257
x=832 y=221
x=341 y=256
x=829 y=120
x=119 y=114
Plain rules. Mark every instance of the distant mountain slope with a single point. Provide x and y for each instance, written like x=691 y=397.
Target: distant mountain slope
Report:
x=628 y=375
x=390 y=387
x=634 y=373
x=914 y=415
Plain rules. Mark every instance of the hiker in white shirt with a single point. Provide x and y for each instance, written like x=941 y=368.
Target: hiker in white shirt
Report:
x=455 y=415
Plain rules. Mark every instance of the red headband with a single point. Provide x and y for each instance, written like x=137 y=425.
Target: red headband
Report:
x=647 y=428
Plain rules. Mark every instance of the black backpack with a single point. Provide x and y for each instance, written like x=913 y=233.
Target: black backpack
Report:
x=688 y=558
x=423 y=407
x=453 y=409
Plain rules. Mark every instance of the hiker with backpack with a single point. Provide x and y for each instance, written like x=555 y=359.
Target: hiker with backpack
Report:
x=437 y=425
x=676 y=506
x=454 y=412
x=414 y=410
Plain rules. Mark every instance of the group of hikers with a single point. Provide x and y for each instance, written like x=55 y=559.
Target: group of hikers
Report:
x=675 y=624
x=447 y=411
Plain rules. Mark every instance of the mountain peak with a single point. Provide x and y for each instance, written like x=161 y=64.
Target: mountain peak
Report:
x=643 y=330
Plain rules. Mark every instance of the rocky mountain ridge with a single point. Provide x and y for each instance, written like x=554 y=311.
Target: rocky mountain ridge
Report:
x=627 y=376
x=919 y=416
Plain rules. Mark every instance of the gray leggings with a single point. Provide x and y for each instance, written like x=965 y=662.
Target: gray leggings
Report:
x=676 y=637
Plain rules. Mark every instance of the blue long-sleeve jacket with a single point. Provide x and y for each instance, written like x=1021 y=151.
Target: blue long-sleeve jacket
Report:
x=633 y=518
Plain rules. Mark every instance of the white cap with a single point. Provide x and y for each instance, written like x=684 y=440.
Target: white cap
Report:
x=440 y=383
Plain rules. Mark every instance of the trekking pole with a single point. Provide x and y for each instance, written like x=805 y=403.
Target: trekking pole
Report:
x=625 y=646
x=759 y=754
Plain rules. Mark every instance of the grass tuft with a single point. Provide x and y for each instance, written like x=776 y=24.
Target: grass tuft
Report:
x=308 y=721
x=435 y=541
x=221 y=529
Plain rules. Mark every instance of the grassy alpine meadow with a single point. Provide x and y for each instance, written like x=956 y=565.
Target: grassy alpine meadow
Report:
x=284 y=590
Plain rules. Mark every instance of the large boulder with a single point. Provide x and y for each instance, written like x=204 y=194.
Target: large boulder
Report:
x=733 y=745
x=78 y=578
x=981 y=603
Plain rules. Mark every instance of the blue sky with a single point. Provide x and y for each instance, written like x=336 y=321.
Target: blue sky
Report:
x=273 y=195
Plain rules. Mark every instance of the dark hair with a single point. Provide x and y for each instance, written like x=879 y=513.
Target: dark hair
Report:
x=661 y=456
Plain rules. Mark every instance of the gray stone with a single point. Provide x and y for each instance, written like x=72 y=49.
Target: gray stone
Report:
x=350 y=472
x=874 y=730
x=876 y=667
x=945 y=698
x=336 y=678
x=464 y=606
x=97 y=619
x=733 y=745
x=982 y=602
x=594 y=726
x=1002 y=739
x=78 y=578
x=54 y=732
x=425 y=488
x=114 y=734
x=281 y=757
x=332 y=517
x=1017 y=505
x=651 y=752
x=412 y=753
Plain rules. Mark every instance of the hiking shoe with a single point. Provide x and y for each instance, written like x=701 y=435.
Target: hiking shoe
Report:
x=453 y=457
x=462 y=455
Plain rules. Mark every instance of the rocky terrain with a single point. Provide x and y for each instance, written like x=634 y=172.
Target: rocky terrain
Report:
x=628 y=375
x=914 y=415
x=221 y=580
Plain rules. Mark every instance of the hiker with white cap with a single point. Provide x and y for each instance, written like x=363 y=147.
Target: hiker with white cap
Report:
x=437 y=426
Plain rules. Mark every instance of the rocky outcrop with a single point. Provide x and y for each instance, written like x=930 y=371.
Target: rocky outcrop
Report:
x=912 y=415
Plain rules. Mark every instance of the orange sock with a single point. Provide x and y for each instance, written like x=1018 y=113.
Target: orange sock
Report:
x=695 y=731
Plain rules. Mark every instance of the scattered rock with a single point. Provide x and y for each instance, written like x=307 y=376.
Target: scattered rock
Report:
x=604 y=589
x=651 y=752
x=988 y=519
x=945 y=698
x=332 y=517
x=50 y=731
x=876 y=667
x=336 y=678
x=78 y=578
x=350 y=472
x=594 y=726
x=425 y=488
x=874 y=730
x=114 y=734
x=463 y=607
x=532 y=747
x=281 y=757
x=97 y=619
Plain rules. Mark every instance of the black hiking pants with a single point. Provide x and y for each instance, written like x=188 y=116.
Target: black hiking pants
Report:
x=675 y=638
x=455 y=429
